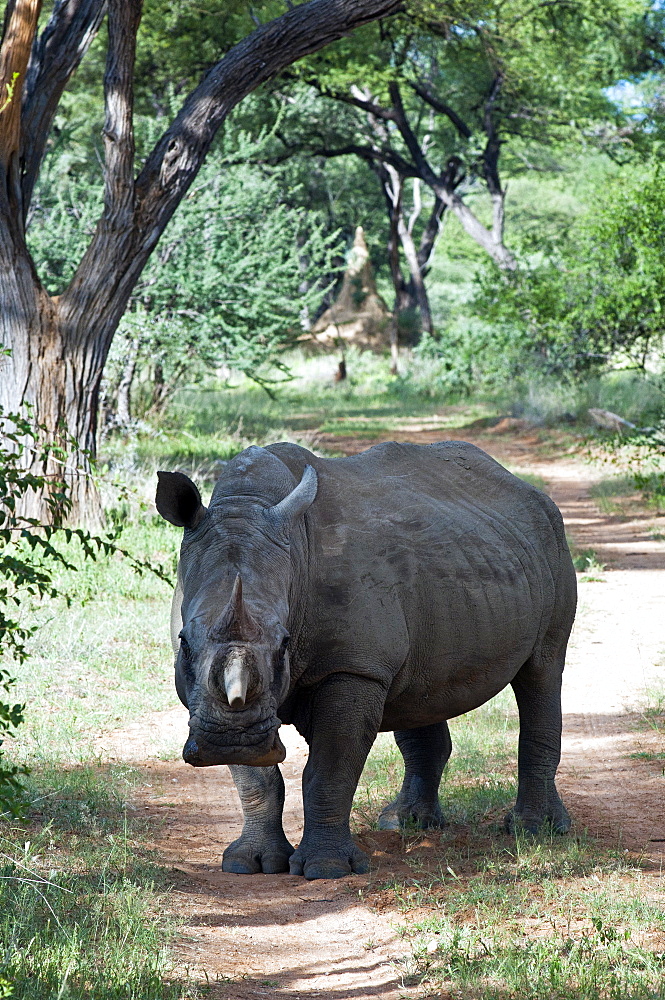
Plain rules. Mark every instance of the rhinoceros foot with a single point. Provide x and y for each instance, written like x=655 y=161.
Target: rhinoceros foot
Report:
x=400 y=814
x=250 y=855
x=315 y=858
x=555 y=819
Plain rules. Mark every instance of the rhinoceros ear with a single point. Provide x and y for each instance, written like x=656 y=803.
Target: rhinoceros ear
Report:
x=285 y=513
x=178 y=499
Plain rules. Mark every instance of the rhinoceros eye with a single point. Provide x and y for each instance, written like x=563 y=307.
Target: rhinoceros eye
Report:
x=186 y=657
x=185 y=648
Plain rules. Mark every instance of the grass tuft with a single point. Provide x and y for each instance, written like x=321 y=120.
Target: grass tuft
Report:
x=80 y=900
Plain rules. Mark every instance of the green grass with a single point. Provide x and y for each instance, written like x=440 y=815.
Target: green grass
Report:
x=641 y=460
x=614 y=486
x=551 y=401
x=104 y=660
x=588 y=955
x=557 y=917
x=652 y=487
x=96 y=929
x=652 y=710
x=491 y=917
x=204 y=427
x=587 y=563
x=607 y=491
x=80 y=898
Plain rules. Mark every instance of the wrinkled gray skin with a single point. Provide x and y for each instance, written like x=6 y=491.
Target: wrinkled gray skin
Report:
x=391 y=590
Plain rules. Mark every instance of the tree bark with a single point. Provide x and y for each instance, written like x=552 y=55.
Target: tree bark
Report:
x=159 y=389
x=417 y=282
x=393 y=189
x=398 y=284
x=20 y=26
x=50 y=371
x=410 y=296
x=486 y=238
x=59 y=345
x=55 y=56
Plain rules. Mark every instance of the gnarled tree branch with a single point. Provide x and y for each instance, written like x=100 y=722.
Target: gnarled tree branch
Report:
x=124 y=17
x=19 y=31
x=56 y=54
x=441 y=108
x=178 y=155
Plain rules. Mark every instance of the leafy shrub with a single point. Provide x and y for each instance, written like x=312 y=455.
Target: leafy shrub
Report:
x=466 y=355
x=595 y=294
x=29 y=560
x=24 y=571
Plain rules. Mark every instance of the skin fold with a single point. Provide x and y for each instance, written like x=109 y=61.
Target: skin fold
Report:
x=392 y=590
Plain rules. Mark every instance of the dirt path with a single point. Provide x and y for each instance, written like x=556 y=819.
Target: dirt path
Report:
x=321 y=938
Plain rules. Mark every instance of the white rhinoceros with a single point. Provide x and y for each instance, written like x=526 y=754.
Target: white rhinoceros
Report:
x=391 y=590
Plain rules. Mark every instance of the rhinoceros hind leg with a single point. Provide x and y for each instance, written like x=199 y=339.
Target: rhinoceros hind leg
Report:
x=425 y=751
x=537 y=689
x=262 y=845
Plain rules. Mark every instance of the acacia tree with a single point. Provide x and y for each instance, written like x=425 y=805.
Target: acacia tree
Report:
x=433 y=102
x=59 y=344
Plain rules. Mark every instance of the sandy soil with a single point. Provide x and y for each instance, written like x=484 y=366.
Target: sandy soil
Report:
x=323 y=938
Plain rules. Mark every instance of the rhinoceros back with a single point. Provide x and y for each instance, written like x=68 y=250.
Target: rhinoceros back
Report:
x=432 y=566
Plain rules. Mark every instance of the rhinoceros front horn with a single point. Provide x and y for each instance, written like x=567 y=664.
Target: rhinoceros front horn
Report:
x=236 y=624
x=284 y=514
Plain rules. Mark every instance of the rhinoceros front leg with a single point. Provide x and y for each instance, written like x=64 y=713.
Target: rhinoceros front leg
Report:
x=425 y=751
x=262 y=846
x=537 y=689
x=340 y=721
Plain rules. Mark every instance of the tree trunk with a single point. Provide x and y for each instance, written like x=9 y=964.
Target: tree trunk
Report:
x=417 y=281
x=158 y=388
x=392 y=189
x=52 y=373
x=486 y=238
x=400 y=296
x=59 y=345
x=410 y=297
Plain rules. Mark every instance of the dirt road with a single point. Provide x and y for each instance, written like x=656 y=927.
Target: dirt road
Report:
x=321 y=938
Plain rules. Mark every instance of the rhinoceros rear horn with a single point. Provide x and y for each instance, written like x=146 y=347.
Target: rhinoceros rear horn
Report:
x=288 y=510
x=178 y=499
x=236 y=623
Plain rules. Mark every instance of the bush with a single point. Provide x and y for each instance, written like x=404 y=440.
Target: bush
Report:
x=24 y=571
x=595 y=295
x=28 y=562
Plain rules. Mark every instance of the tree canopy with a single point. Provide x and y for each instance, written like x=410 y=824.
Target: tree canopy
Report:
x=417 y=116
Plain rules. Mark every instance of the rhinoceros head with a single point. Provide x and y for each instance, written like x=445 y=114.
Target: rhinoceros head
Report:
x=232 y=601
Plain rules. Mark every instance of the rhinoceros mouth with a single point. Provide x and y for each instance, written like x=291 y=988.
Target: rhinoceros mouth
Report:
x=259 y=746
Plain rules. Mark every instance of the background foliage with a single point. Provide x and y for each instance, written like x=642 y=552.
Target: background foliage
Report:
x=593 y=293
